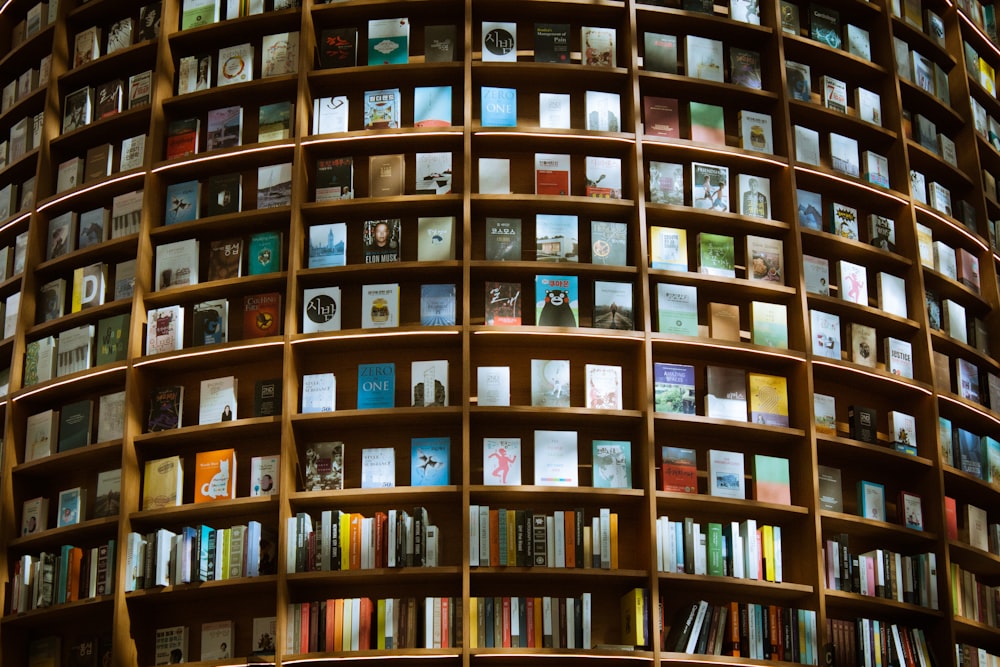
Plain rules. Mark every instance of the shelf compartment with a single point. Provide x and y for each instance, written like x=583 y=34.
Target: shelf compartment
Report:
x=833 y=247
x=737 y=432
x=233 y=287
x=99 y=456
x=556 y=656
x=927 y=161
x=727 y=509
x=974 y=632
x=884 y=323
x=234 y=353
x=946 y=118
x=307 y=582
x=263 y=585
x=413 y=271
x=132 y=59
x=89 y=316
x=949 y=229
x=981 y=562
x=397 y=656
x=872 y=380
x=974 y=416
x=349 y=340
x=965 y=485
x=689 y=216
x=126 y=123
x=880 y=531
x=853 y=604
x=948 y=288
x=32 y=50
x=222 y=225
x=851 y=68
x=62 y=389
x=319 y=424
x=84 y=531
x=262 y=507
x=237 y=158
x=556 y=417
x=112 y=250
x=47 y=617
x=954 y=348
x=233 y=30
x=814 y=115
x=26 y=105
x=686 y=88
x=200 y=435
x=847 y=188
x=838 y=450
x=569 y=576
x=922 y=42
x=525 y=495
x=733 y=587
x=730 y=352
x=377 y=499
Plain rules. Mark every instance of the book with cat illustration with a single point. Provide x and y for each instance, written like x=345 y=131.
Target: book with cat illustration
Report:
x=215 y=475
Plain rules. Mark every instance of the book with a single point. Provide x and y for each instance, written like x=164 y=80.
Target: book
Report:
x=824 y=25
x=112 y=338
x=612 y=464
x=613 y=305
x=554 y=110
x=674 y=388
x=603 y=387
x=825 y=413
x=34 y=517
x=552 y=43
x=262 y=315
x=768 y=396
x=494 y=176
x=107 y=495
x=552 y=174
x=677 y=309
x=388 y=41
x=556 y=238
x=844 y=221
x=806 y=145
x=432 y=106
x=498 y=107
x=215 y=475
x=493 y=386
x=556 y=301
x=556 y=458
x=279 y=54
x=382 y=241
x=771 y=480
x=703 y=58
x=726 y=474
x=755 y=196
x=337 y=47
x=853 y=282
x=744 y=65
x=330 y=114
x=217 y=400
x=380 y=305
x=439 y=43
x=871 y=500
x=844 y=154
x=709 y=186
x=378 y=468
x=126 y=214
x=898 y=357
x=834 y=93
x=321 y=309
x=666 y=183
x=659 y=52
x=41 y=435
x=177 y=264
x=437 y=305
x=862 y=344
x=499 y=41
x=386 y=175
x=327 y=245
x=319 y=393
x=324 y=469
x=825 y=334
x=831 y=496
x=868 y=105
x=716 y=254
x=603 y=111
x=769 y=324
x=381 y=109
x=217 y=640
x=502 y=461
x=430 y=460
x=678 y=470
x=550 y=383
x=502 y=303
x=429 y=383
x=598 y=46
x=726 y=397
x=163 y=481
x=376 y=385
x=86 y=46
x=661 y=117
x=707 y=123
x=75 y=349
x=274 y=121
x=604 y=177
x=264 y=253
x=225 y=128
x=171 y=644
x=724 y=321
x=891 y=292
x=755 y=131
x=235 y=64
x=433 y=173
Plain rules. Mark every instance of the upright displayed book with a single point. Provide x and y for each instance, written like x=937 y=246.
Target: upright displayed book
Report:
x=556 y=301
x=388 y=41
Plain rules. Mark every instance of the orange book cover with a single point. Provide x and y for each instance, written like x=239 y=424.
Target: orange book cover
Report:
x=614 y=540
x=355 y=541
x=215 y=475
x=381 y=535
x=73 y=574
x=445 y=627
x=338 y=624
x=570 y=517
x=262 y=315
x=331 y=622
x=539 y=624
x=494 y=538
x=734 y=629
x=365 y=631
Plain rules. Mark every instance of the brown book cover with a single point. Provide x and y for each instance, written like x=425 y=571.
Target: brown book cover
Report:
x=661 y=117
x=724 y=321
x=98 y=163
x=385 y=175
x=224 y=259
x=262 y=315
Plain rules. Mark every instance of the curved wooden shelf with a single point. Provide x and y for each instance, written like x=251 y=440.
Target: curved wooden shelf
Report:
x=686 y=88
x=718 y=508
x=303 y=582
x=942 y=342
x=922 y=42
x=974 y=632
x=842 y=187
x=866 y=605
x=262 y=507
x=32 y=50
x=949 y=288
x=572 y=577
x=530 y=336
x=234 y=352
x=843 y=449
x=233 y=30
x=320 y=423
x=122 y=63
x=237 y=158
x=349 y=340
x=59 y=389
x=529 y=495
x=654 y=18
x=222 y=225
x=440 y=656
x=375 y=207
x=961 y=483
x=250 y=427
x=742 y=433
x=849 y=67
x=930 y=162
x=83 y=532
x=233 y=287
x=26 y=105
x=884 y=323
x=707 y=349
x=852 y=374
x=833 y=247
x=88 y=316
x=837 y=522
x=358 y=499
x=262 y=584
x=94 y=194
x=548 y=417
x=870 y=136
x=44 y=618
x=515 y=204
x=784 y=592
x=93 y=456
x=689 y=216
x=981 y=562
x=949 y=229
x=945 y=117
x=118 y=249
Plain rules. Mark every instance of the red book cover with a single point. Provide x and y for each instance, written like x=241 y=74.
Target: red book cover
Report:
x=562 y=623
x=304 y=629
x=331 y=625
x=506 y=622
x=661 y=117
x=445 y=617
x=570 y=531
x=494 y=538
x=262 y=315
x=365 y=632
x=182 y=137
x=73 y=575
x=551 y=182
x=381 y=556
x=530 y=616
x=678 y=470
x=951 y=517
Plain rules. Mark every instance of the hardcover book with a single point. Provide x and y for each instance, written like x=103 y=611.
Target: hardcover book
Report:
x=609 y=243
x=502 y=461
x=493 y=385
x=769 y=324
x=107 y=496
x=612 y=464
x=898 y=357
x=726 y=396
x=215 y=475
x=337 y=47
x=554 y=110
x=502 y=303
x=177 y=264
x=661 y=117
x=439 y=43
x=262 y=315
x=604 y=177
x=862 y=344
x=164 y=329
x=498 y=107
x=709 y=186
x=556 y=238
x=824 y=25
x=552 y=43
x=556 y=301
x=430 y=461
x=724 y=321
x=376 y=386
x=264 y=253
x=319 y=393
x=744 y=67
x=799 y=80
x=382 y=109
x=603 y=387
x=388 y=41
x=556 y=458
x=432 y=106
x=674 y=388
x=703 y=58
x=716 y=255
x=274 y=121
x=330 y=114
x=825 y=413
x=603 y=111
x=235 y=64
x=321 y=309
x=378 y=468
x=755 y=196
x=666 y=183
x=437 y=305
x=552 y=174
x=503 y=239
x=613 y=305
x=327 y=245
x=217 y=400
x=677 y=309
x=550 y=383
x=707 y=123
x=660 y=52
x=726 y=474
x=834 y=93
x=380 y=306
x=853 y=284
x=163 y=483
x=825 y=334
x=755 y=131
x=678 y=470
x=499 y=41
x=225 y=128
x=279 y=54
x=598 y=46
x=324 y=470
x=225 y=194
x=386 y=175
x=429 y=383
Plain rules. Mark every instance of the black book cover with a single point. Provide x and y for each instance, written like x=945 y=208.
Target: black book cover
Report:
x=224 y=194
x=439 y=43
x=74 y=425
x=338 y=47
x=552 y=42
x=862 y=424
x=267 y=398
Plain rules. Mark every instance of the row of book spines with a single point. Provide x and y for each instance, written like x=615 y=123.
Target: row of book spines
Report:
x=74 y=574
x=737 y=549
x=749 y=630
x=360 y=624
x=881 y=573
x=972 y=598
x=530 y=622
x=521 y=538
x=352 y=541
x=967 y=655
x=867 y=642
x=163 y=557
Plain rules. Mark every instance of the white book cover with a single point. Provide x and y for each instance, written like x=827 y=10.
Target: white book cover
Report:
x=265 y=473
x=755 y=132
x=853 y=282
x=825 y=334
x=556 y=458
x=868 y=105
x=603 y=111
x=40 y=435
x=726 y=474
x=330 y=114
x=817 y=274
x=177 y=264
x=218 y=400
x=899 y=357
x=319 y=393
x=902 y=428
x=378 y=468
x=75 y=350
x=280 y=54
x=111 y=416
x=499 y=41
x=755 y=196
x=380 y=306
x=501 y=462
x=550 y=382
x=321 y=308
x=493 y=384
x=945 y=261
x=164 y=329
x=494 y=176
x=429 y=383
x=892 y=294
x=844 y=154
x=806 y=145
x=553 y=111
x=603 y=387
x=703 y=58
x=235 y=64
x=217 y=640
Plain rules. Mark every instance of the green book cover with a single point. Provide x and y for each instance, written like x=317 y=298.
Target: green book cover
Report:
x=112 y=339
x=677 y=307
x=716 y=255
x=715 y=562
x=75 y=421
x=769 y=322
x=708 y=123
x=265 y=253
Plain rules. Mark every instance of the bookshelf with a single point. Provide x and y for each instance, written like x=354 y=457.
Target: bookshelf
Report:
x=687 y=141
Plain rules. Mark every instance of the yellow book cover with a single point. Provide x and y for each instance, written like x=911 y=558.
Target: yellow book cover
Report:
x=588 y=547
x=768 y=399
x=668 y=248
x=345 y=531
x=767 y=543
x=215 y=475
x=511 y=539
x=163 y=483
x=631 y=618
x=539 y=624
x=614 y=540
x=227 y=538
x=473 y=622
x=381 y=624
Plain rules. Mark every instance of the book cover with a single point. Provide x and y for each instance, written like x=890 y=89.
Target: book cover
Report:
x=674 y=388
x=755 y=131
x=163 y=483
x=380 y=306
x=716 y=255
x=502 y=461
x=499 y=41
x=262 y=315
x=603 y=111
x=661 y=117
x=709 y=186
x=844 y=221
x=107 y=496
x=429 y=383
x=75 y=425
x=439 y=43
x=498 y=107
x=378 y=468
x=433 y=173
x=707 y=123
x=72 y=507
x=678 y=470
x=183 y=202
x=825 y=413
x=556 y=458
x=164 y=329
x=552 y=43
x=598 y=46
x=388 y=41
x=659 y=52
x=217 y=640
x=376 y=386
x=182 y=137
x=825 y=334
x=769 y=324
x=666 y=183
x=603 y=387
x=834 y=93
x=677 y=309
x=112 y=338
x=831 y=496
x=768 y=399
x=225 y=194
x=177 y=264
x=898 y=357
x=862 y=344
x=279 y=54
x=556 y=238
x=806 y=145
x=824 y=25
x=319 y=393
x=550 y=383
x=437 y=305
x=381 y=110
x=726 y=396
x=324 y=468
x=554 y=110
x=386 y=175
x=755 y=196
x=235 y=64
x=668 y=248
x=217 y=402
x=267 y=398
x=612 y=464
x=771 y=480
x=337 y=47
x=111 y=416
x=264 y=253
x=225 y=259
x=321 y=309
x=726 y=474
x=744 y=64
x=844 y=154
x=215 y=475
x=502 y=303
x=853 y=283
x=330 y=114
x=430 y=461
x=556 y=301
x=613 y=305
x=871 y=500
x=225 y=127
x=604 y=177
x=724 y=321
x=703 y=58
x=493 y=385
x=552 y=174
x=382 y=240
x=327 y=245
x=274 y=121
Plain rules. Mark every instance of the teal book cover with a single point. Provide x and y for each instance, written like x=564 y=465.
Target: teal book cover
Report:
x=612 y=464
x=388 y=41
x=430 y=461
x=376 y=386
x=498 y=107
x=264 y=255
x=432 y=106
x=556 y=301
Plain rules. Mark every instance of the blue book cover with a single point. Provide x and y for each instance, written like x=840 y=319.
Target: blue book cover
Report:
x=437 y=305
x=810 y=209
x=182 y=202
x=612 y=464
x=970 y=453
x=376 y=386
x=429 y=461
x=328 y=245
x=556 y=301
x=498 y=107
x=432 y=106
